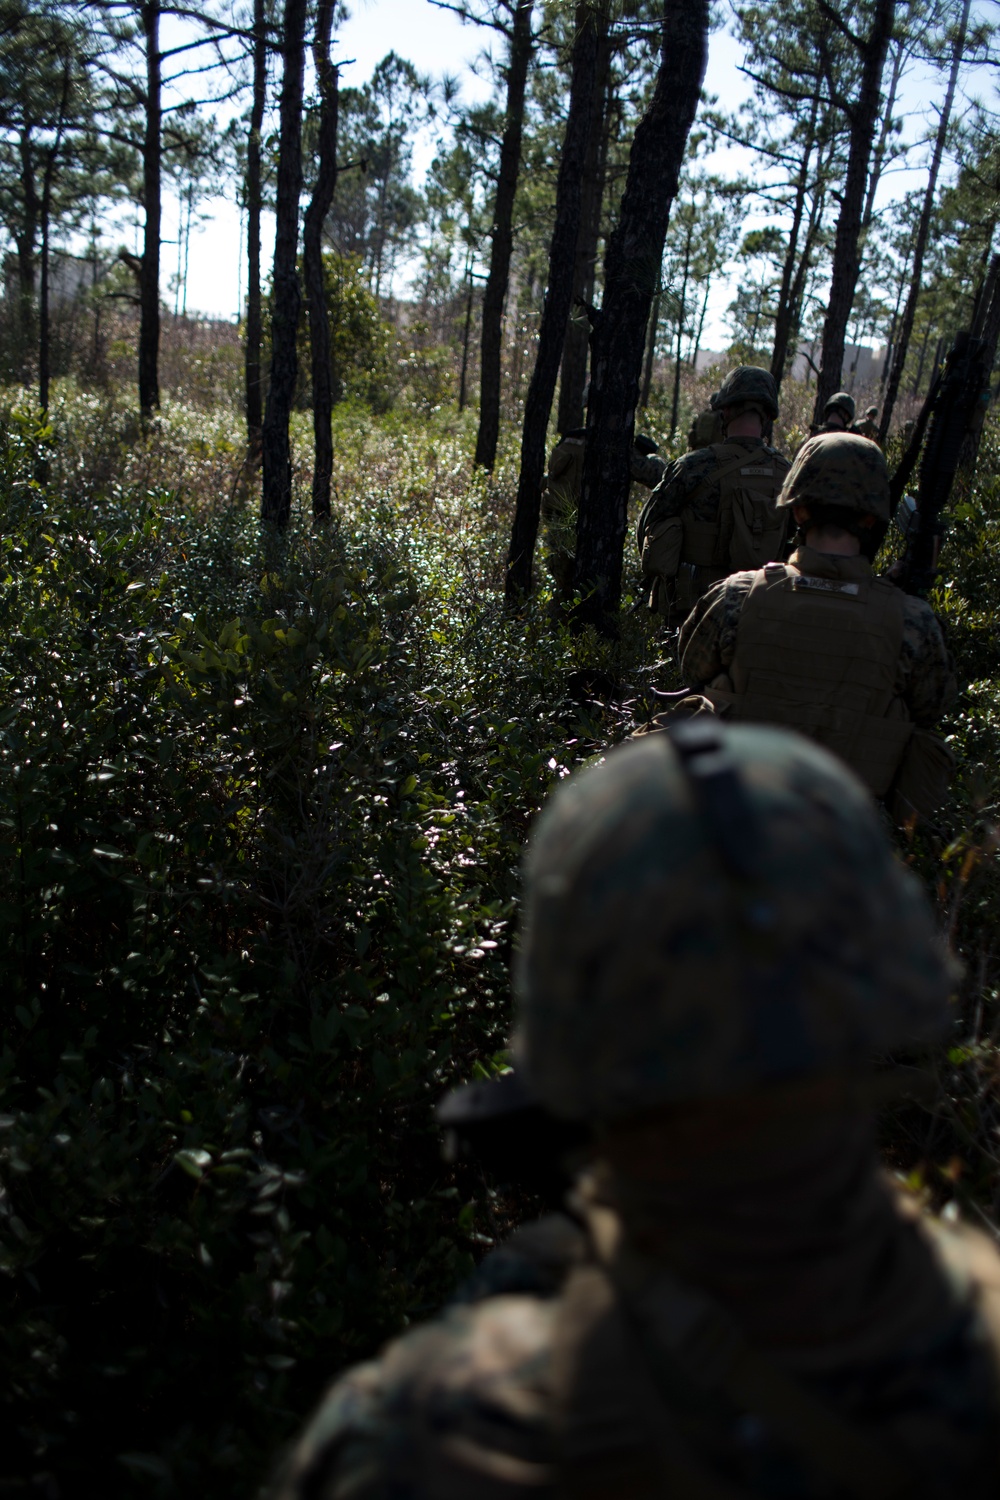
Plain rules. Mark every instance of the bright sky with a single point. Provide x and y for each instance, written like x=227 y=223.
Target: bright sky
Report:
x=437 y=42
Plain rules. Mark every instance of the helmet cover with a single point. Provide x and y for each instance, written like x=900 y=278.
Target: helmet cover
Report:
x=839 y=469
x=652 y=972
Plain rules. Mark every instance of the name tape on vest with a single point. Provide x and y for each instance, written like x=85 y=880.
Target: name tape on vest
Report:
x=825 y=585
x=757 y=469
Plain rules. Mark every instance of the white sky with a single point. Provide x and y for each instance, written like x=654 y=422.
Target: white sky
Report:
x=437 y=42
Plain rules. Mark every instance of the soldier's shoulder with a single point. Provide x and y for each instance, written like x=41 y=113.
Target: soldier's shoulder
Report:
x=476 y=1378
x=919 y=618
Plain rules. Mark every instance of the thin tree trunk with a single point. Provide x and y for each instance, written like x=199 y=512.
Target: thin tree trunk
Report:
x=576 y=348
x=558 y=299
x=923 y=230
x=783 y=316
x=701 y=326
x=681 y=311
x=632 y=270
x=920 y=363
x=463 y=396
x=651 y=332
x=43 y=298
x=149 y=270
x=988 y=328
x=254 y=403
x=847 y=240
x=25 y=243
x=521 y=43
x=327 y=80
x=878 y=155
x=286 y=297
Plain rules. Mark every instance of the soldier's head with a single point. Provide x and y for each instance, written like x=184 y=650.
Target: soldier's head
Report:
x=838 y=487
x=839 y=410
x=644 y=444
x=746 y=400
x=872 y=412
x=715 y=912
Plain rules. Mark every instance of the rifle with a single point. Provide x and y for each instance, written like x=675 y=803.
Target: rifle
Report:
x=952 y=411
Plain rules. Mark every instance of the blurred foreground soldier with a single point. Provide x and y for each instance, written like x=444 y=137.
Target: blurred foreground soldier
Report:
x=561 y=498
x=718 y=939
x=706 y=429
x=715 y=508
x=838 y=413
x=822 y=645
x=867 y=427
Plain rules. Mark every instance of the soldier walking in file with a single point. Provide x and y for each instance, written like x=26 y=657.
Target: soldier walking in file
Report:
x=822 y=645
x=867 y=426
x=738 y=1304
x=561 y=499
x=838 y=413
x=714 y=510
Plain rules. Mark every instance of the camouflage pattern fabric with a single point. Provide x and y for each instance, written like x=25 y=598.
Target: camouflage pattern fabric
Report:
x=926 y=682
x=629 y=920
x=867 y=427
x=839 y=469
x=647 y=469
x=687 y=489
x=842 y=402
x=707 y=428
x=468 y=1406
x=748 y=387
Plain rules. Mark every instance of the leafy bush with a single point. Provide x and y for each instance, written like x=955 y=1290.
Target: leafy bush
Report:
x=262 y=805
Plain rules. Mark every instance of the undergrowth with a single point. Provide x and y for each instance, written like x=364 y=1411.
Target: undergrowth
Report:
x=262 y=805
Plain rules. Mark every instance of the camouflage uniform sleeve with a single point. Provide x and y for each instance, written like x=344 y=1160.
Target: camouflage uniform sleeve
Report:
x=648 y=469
x=707 y=641
x=667 y=499
x=461 y=1406
x=929 y=685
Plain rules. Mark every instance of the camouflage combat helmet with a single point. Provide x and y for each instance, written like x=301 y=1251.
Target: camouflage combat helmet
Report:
x=710 y=911
x=840 y=469
x=843 y=402
x=871 y=411
x=644 y=444
x=748 y=388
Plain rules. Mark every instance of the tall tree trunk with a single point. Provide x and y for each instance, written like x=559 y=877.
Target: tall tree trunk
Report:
x=43 y=298
x=923 y=230
x=783 y=316
x=631 y=276
x=254 y=403
x=847 y=240
x=149 y=270
x=651 y=332
x=681 y=313
x=701 y=326
x=881 y=146
x=25 y=244
x=576 y=348
x=521 y=43
x=328 y=83
x=463 y=387
x=286 y=297
x=558 y=299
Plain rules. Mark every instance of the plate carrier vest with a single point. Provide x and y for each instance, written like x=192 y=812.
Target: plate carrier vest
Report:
x=821 y=655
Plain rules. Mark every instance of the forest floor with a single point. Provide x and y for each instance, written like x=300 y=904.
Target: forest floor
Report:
x=262 y=804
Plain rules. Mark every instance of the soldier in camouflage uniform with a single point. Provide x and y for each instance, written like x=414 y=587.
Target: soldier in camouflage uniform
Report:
x=714 y=510
x=561 y=499
x=820 y=644
x=868 y=425
x=838 y=413
x=718 y=939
